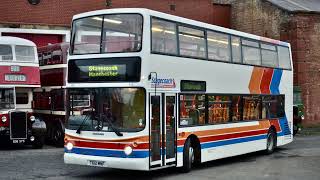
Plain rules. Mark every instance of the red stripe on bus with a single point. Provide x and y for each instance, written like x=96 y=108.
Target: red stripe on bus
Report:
x=227 y=136
x=266 y=80
x=117 y=146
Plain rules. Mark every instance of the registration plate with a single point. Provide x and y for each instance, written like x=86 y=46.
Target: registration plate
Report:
x=96 y=163
x=15 y=77
x=18 y=141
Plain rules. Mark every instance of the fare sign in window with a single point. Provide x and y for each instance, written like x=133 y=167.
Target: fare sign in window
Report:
x=105 y=70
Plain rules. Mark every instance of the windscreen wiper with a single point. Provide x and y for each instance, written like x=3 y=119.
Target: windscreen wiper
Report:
x=82 y=123
x=115 y=130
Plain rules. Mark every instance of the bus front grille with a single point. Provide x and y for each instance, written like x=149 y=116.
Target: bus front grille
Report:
x=18 y=125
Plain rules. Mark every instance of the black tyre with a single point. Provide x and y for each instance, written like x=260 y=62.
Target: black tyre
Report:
x=188 y=156
x=38 y=142
x=271 y=141
x=58 y=136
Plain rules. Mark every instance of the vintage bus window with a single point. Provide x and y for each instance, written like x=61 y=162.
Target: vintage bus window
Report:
x=251 y=52
x=219 y=109
x=284 y=57
x=269 y=55
x=57 y=99
x=25 y=53
x=192 y=110
x=164 y=38
x=236 y=49
x=40 y=59
x=218 y=46
x=192 y=42
x=122 y=109
x=6 y=53
x=122 y=33
x=251 y=107
x=236 y=107
x=6 y=99
x=56 y=57
x=22 y=98
x=87 y=35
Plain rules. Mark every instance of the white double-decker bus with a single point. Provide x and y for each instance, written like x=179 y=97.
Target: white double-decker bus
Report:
x=148 y=90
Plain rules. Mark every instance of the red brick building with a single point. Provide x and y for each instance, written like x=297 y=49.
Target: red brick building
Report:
x=294 y=21
x=48 y=21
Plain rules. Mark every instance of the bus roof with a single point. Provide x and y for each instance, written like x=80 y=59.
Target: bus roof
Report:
x=16 y=41
x=180 y=19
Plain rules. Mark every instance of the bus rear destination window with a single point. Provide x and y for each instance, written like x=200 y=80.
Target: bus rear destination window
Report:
x=104 y=70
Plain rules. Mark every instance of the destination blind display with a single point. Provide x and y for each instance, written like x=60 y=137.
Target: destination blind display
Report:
x=193 y=85
x=104 y=70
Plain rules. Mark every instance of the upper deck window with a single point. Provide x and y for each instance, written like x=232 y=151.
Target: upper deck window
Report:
x=269 y=55
x=107 y=34
x=164 y=38
x=6 y=53
x=25 y=53
x=218 y=46
x=192 y=42
x=251 y=52
x=284 y=57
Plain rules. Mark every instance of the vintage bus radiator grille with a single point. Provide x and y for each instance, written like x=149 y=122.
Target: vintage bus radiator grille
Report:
x=18 y=125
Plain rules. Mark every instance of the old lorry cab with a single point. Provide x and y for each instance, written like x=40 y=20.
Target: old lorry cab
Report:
x=19 y=75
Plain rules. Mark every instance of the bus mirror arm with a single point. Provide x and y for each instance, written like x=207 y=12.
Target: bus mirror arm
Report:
x=155 y=83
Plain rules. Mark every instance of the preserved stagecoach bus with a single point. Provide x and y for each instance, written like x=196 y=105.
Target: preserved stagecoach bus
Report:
x=19 y=75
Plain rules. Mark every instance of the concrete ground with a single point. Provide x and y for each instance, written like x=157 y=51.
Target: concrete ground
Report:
x=298 y=160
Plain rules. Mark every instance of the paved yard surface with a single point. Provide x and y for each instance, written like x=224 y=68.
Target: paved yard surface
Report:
x=299 y=160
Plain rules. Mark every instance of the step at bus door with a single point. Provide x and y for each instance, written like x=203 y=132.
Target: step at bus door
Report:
x=163 y=130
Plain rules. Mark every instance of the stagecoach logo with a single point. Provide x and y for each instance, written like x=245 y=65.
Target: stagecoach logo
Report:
x=163 y=83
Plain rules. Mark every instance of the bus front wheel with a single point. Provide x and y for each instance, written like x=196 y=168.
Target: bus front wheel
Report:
x=271 y=141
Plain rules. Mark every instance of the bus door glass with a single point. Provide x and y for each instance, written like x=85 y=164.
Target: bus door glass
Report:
x=163 y=130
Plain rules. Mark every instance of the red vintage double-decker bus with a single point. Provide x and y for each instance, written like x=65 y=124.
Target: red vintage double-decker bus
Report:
x=50 y=98
x=19 y=76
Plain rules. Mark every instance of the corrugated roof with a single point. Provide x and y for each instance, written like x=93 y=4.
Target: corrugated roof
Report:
x=297 y=5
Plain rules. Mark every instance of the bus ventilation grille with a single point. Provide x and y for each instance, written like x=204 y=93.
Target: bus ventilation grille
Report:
x=286 y=130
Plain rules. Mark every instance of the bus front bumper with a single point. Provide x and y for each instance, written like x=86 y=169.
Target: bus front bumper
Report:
x=109 y=162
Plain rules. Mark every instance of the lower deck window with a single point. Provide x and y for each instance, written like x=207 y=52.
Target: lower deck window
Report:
x=201 y=109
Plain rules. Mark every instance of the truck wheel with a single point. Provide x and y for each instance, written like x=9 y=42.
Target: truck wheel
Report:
x=38 y=142
x=271 y=141
x=188 y=156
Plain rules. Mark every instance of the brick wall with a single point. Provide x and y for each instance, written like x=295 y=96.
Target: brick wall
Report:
x=306 y=43
x=60 y=12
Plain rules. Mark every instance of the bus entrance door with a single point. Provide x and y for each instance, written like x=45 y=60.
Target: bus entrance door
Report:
x=163 y=130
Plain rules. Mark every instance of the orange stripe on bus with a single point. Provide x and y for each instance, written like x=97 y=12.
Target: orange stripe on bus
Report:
x=255 y=81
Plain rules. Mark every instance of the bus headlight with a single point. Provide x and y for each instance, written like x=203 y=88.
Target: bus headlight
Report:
x=127 y=150
x=69 y=146
x=4 y=119
x=32 y=118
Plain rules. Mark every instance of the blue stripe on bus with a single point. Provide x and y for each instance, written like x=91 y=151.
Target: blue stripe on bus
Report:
x=274 y=86
x=285 y=129
x=228 y=142
x=108 y=153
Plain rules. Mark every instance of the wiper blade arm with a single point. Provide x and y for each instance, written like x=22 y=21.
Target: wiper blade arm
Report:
x=82 y=123
x=115 y=130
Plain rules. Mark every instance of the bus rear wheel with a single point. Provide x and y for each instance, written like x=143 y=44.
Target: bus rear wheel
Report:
x=271 y=141
x=188 y=156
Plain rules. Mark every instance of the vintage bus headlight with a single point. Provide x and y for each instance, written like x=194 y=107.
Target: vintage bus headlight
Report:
x=4 y=119
x=69 y=146
x=127 y=150
x=32 y=118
